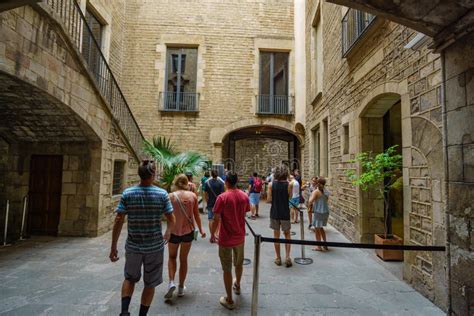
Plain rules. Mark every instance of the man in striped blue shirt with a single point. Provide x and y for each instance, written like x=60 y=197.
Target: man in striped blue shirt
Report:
x=144 y=205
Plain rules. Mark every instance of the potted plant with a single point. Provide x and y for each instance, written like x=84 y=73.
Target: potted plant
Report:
x=171 y=162
x=381 y=172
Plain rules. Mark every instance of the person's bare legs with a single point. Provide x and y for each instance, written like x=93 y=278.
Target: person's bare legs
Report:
x=252 y=209
x=172 y=254
x=310 y=218
x=127 y=288
x=183 y=262
x=228 y=286
x=276 y=235
x=317 y=235
x=287 y=246
x=147 y=296
x=238 y=275
x=323 y=237
x=256 y=209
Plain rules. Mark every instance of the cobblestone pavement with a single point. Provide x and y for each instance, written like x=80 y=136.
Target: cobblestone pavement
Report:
x=73 y=276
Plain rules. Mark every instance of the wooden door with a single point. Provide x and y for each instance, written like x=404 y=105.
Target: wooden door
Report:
x=45 y=194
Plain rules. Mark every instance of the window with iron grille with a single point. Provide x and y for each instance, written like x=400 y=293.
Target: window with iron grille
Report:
x=119 y=176
x=90 y=50
x=181 y=77
x=273 y=88
x=354 y=25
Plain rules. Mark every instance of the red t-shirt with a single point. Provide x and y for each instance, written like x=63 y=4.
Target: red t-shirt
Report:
x=231 y=207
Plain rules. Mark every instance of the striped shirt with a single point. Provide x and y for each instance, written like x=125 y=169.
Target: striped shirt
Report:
x=144 y=206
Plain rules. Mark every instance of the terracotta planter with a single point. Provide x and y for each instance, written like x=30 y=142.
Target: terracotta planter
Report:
x=389 y=255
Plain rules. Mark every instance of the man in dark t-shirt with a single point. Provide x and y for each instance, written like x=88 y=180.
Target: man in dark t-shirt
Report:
x=212 y=189
x=278 y=196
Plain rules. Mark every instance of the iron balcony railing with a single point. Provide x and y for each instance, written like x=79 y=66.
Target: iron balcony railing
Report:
x=179 y=102
x=274 y=104
x=79 y=32
x=354 y=25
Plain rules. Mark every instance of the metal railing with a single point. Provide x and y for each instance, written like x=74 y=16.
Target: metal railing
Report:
x=354 y=24
x=274 y=104
x=79 y=31
x=179 y=102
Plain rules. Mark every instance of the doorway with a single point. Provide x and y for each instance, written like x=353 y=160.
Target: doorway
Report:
x=45 y=194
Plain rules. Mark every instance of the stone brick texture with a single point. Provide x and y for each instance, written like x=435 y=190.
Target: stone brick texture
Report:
x=52 y=106
x=380 y=60
x=226 y=32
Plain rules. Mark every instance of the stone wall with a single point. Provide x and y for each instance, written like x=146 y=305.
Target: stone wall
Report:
x=52 y=106
x=357 y=91
x=259 y=155
x=459 y=114
x=228 y=36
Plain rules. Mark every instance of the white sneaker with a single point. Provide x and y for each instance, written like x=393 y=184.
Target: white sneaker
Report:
x=171 y=288
x=312 y=228
x=181 y=291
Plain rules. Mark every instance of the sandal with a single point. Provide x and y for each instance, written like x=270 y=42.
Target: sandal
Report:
x=224 y=302
x=288 y=263
x=317 y=249
x=236 y=288
x=325 y=248
x=278 y=261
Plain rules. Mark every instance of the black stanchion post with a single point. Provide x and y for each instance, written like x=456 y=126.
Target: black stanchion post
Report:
x=7 y=209
x=256 y=263
x=303 y=260
x=23 y=217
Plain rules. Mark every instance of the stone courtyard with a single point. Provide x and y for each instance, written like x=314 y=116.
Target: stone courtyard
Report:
x=73 y=276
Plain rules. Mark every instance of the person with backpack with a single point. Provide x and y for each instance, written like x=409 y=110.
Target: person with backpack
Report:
x=212 y=189
x=255 y=188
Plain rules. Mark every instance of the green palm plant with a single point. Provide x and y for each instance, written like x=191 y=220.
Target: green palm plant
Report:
x=173 y=162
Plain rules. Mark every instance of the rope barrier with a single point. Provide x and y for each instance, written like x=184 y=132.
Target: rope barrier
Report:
x=250 y=227
x=352 y=245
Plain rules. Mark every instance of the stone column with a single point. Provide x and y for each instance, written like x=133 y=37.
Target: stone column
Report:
x=459 y=148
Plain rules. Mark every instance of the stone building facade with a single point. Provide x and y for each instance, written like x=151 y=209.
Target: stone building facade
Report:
x=228 y=39
x=55 y=119
x=386 y=89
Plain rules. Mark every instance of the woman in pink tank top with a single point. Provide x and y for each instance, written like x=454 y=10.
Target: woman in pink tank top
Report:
x=186 y=212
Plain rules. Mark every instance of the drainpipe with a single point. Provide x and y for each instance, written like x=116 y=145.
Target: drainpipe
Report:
x=445 y=184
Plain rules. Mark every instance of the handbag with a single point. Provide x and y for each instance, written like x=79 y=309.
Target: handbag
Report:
x=191 y=222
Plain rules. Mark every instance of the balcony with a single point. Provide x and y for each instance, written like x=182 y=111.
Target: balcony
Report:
x=354 y=24
x=179 y=102
x=274 y=104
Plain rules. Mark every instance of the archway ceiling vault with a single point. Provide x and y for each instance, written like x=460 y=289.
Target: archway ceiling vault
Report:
x=444 y=20
x=28 y=114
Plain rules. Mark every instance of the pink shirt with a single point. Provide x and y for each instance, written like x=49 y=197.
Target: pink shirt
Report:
x=231 y=207
x=190 y=203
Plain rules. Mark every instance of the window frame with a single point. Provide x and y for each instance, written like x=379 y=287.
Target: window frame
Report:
x=117 y=191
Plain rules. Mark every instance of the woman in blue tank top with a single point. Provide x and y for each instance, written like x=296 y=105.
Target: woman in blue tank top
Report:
x=318 y=204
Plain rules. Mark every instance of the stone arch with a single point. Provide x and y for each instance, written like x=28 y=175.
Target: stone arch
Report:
x=385 y=91
x=218 y=134
x=371 y=138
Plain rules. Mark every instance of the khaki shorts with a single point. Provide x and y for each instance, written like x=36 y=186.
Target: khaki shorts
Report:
x=277 y=224
x=225 y=254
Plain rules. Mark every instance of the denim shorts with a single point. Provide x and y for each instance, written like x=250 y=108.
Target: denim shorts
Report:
x=254 y=198
x=210 y=213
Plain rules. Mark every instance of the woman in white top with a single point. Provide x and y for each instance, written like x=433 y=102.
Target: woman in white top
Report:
x=294 y=188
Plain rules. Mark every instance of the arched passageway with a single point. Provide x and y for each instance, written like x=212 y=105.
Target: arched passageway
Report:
x=381 y=128
x=259 y=148
x=52 y=156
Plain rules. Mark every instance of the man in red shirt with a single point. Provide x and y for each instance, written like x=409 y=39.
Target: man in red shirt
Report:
x=229 y=211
